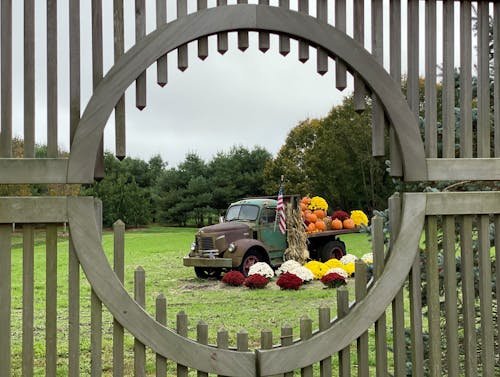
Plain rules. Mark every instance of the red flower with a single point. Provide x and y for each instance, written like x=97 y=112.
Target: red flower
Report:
x=341 y=215
x=234 y=278
x=289 y=281
x=333 y=280
x=256 y=281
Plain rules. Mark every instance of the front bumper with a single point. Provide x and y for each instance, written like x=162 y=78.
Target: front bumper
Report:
x=207 y=262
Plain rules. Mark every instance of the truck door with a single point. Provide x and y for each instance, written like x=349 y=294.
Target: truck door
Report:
x=270 y=233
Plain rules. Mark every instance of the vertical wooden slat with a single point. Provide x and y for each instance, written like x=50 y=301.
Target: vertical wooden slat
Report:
x=417 y=345
x=140 y=298
x=73 y=312
x=202 y=42
x=161 y=63
x=182 y=51
x=430 y=80
x=468 y=297
x=5 y=295
x=264 y=41
x=161 y=317
x=497 y=278
x=28 y=297
x=306 y=333
x=96 y=313
x=465 y=80
x=119 y=48
x=448 y=79
x=325 y=366
x=412 y=92
x=118 y=267
x=483 y=90
x=97 y=70
x=433 y=303
x=6 y=79
x=342 y=311
x=51 y=301
x=398 y=310
x=496 y=78
x=74 y=67
x=322 y=57
x=450 y=289
x=140 y=32
x=395 y=68
x=362 y=342
x=242 y=35
x=202 y=338
x=303 y=46
x=222 y=38
x=485 y=300
x=52 y=78
x=284 y=42
x=340 y=23
x=29 y=78
x=378 y=118
x=182 y=329
x=222 y=340
x=359 y=36
x=378 y=268
x=286 y=340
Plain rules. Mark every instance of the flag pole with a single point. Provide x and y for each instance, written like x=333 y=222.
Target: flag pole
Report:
x=277 y=212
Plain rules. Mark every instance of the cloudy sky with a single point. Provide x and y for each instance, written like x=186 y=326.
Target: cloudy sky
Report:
x=248 y=99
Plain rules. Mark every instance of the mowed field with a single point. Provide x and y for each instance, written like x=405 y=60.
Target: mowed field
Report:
x=159 y=251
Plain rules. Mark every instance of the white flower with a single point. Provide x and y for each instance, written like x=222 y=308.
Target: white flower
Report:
x=367 y=258
x=261 y=268
x=288 y=266
x=304 y=273
x=348 y=258
x=339 y=271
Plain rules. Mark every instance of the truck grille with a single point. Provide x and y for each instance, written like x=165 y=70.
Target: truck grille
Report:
x=206 y=243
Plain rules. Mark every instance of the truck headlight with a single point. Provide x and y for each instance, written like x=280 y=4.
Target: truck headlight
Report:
x=232 y=247
x=193 y=246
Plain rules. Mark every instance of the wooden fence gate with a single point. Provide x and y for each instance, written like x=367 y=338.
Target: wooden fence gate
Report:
x=425 y=146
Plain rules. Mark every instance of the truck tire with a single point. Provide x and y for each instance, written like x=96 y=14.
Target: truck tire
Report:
x=207 y=272
x=251 y=257
x=332 y=249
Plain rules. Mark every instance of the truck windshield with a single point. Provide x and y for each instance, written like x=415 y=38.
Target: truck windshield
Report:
x=242 y=212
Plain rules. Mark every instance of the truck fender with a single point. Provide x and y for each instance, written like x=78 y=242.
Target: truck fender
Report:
x=242 y=246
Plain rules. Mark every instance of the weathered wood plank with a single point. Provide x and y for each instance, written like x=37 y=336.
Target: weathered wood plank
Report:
x=413 y=54
x=464 y=169
x=182 y=329
x=242 y=35
x=378 y=119
x=324 y=322
x=395 y=69
x=359 y=36
x=33 y=210
x=264 y=41
x=6 y=79
x=417 y=346
x=161 y=317
x=287 y=340
x=96 y=311
x=119 y=49
x=140 y=298
x=51 y=301
x=381 y=323
x=342 y=311
x=222 y=38
x=448 y=79
x=73 y=311
x=483 y=89
x=52 y=93
x=140 y=32
x=465 y=79
x=203 y=42
x=222 y=341
x=28 y=298
x=97 y=73
x=74 y=68
x=450 y=292
x=306 y=333
x=360 y=291
x=496 y=78
x=497 y=276
x=463 y=203
x=430 y=80
x=468 y=297
x=162 y=62
x=303 y=46
x=340 y=24
x=321 y=55
x=485 y=298
x=5 y=297
x=433 y=303
x=29 y=78
x=119 y=270
x=202 y=338
x=27 y=170
x=284 y=42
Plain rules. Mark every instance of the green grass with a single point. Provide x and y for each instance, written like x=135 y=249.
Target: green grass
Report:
x=160 y=251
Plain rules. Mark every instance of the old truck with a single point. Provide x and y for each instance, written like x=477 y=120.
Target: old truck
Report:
x=247 y=235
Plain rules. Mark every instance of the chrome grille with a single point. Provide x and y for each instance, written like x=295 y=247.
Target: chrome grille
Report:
x=206 y=243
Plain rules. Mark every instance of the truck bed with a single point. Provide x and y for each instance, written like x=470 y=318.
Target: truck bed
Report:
x=329 y=233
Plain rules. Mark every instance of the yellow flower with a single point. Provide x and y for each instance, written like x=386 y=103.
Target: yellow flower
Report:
x=318 y=269
x=318 y=202
x=332 y=263
x=359 y=217
x=349 y=268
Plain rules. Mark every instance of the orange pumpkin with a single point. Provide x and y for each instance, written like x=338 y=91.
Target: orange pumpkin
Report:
x=320 y=213
x=349 y=224
x=320 y=225
x=311 y=227
x=306 y=200
x=303 y=206
x=336 y=224
x=311 y=217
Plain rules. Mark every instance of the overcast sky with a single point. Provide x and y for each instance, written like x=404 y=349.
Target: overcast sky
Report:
x=248 y=99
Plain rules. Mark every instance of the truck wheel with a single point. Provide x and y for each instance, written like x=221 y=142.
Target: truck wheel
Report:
x=250 y=258
x=332 y=249
x=207 y=272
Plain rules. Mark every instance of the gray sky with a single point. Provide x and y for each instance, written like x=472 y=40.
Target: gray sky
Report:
x=249 y=99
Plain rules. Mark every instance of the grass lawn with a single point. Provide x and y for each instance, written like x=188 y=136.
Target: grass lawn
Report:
x=160 y=251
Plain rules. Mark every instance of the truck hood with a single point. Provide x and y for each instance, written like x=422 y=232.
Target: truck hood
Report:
x=229 y=227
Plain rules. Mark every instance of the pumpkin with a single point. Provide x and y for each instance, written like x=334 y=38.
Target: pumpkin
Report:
x=303 y=206
x=336 y=224
x=311 y=217
x=320 y=225
x=320 y=213
x=311 y=227
x=349 y=224
x=306 y=200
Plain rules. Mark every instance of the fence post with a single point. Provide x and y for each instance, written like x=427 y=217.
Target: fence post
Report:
x=286 y=340
x=325 y=366
x=118 y=266
x=182 y=329
x=161 y=317
x=306 y=333
x=140 y=297
x=202 y=338
x=222 y=340
x=342 y=310
x=362 y=341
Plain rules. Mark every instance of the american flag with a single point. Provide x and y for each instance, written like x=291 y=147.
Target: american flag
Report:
x=280 y=211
